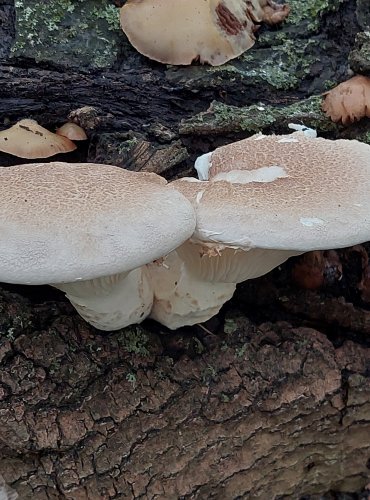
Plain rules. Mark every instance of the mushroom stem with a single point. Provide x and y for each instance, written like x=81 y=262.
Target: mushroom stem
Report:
x=112 y=302
x=180 y=297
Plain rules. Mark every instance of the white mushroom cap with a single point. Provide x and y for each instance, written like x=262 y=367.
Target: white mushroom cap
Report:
x=180 y=31
x=65 y=222
x=283 y=192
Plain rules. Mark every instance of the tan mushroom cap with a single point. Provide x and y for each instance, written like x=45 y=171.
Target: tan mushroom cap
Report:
x=284 y=192
x=64 y=222
x=181 y=31
x=27 y=139
x=349 y=101
x=72 y=131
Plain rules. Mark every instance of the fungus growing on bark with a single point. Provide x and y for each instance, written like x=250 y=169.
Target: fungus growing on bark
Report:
x=27 y=139
x=267 y=11
x=72 y=131
x=182 y=31
x=349 y=101
x=269 y=198
x=89 y=230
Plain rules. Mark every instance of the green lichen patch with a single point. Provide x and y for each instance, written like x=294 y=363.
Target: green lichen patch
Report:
x=309 y=12
x=283 y=66
x=221 y=118
x=67 y=32
x=359 y=57
x=134 y=340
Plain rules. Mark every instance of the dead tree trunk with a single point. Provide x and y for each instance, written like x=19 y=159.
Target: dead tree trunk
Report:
x=272 y=399
x=255 y=413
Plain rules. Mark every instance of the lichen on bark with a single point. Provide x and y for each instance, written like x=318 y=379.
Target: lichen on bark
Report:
x=67 y=32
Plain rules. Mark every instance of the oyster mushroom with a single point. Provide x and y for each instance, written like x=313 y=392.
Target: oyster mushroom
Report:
x=28 y=139
x=181 y=31
x=268 y=198
x=89 y=230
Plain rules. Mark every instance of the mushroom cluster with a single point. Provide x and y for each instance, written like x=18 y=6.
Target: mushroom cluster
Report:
x=260 y=201
x=183 y=31
x=89 y=230
x=28 y=139
x=127 y=245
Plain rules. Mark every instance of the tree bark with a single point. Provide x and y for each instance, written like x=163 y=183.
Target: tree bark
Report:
x=271 y=399
x=260 y=413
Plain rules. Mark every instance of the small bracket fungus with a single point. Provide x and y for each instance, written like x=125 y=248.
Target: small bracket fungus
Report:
x=27 y=139
x=181 y=31
x=269 y=198
x=89 y=230
x=349 y=101
x=72 y=131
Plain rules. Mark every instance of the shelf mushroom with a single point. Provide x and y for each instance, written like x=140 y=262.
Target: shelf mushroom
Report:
x=89 y=230
x=72 y=131
x=181 y=31
x=269 y=198
x=349 y=101
x=28 y=139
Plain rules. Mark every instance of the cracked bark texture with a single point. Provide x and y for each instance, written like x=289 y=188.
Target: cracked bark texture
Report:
x=263 y=412
x=272 y=399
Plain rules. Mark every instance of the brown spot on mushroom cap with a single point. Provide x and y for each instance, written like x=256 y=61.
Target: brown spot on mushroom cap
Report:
x=27 y=139
x=72 y=131
x=181 y=31
x=349 y=101
x=284 y=192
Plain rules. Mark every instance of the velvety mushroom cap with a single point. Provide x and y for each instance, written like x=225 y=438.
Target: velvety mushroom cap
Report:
x=349 y=101
x=283 y=192
x=72 y=131
x=27 y=139
x=181 y=31
x=65 y=222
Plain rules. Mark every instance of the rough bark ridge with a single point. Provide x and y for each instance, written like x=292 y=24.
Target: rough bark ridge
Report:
x=275 y=403
x=263 y=412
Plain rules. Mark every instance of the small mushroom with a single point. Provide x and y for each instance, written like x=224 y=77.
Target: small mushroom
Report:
x=72 y=131
x=349 y=101
x=267 y=11
x=182 y=31
x=27 y=139
x=89 y=230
